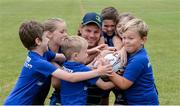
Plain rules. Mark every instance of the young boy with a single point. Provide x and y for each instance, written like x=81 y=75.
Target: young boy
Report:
x=75 y=50
x=109 y=20
x=37 y=70
x=110 y=37
x=137 y=80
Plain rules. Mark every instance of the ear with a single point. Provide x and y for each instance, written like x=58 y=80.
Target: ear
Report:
x=38 y=41
x=80 y=28
x=48 y=34
x=74 y=56
x=144 y=39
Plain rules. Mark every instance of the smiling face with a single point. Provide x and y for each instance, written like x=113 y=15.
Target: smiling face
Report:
x=108 y=26
x=59 y=33
x=133 y=41
x=91 y=32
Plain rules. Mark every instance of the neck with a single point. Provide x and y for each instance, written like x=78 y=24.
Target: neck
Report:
x=54 y=47
x=131 y=54
x=38 y=51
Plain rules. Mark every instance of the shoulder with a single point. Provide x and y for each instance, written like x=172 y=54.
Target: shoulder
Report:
x=76 y=67
x=141 y=57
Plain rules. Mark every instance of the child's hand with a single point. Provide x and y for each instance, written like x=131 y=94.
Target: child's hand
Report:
x=97 y=49
x=104 y=68
x=60 y=57
x=93 y=51
x=122 y=55
x=102 y=46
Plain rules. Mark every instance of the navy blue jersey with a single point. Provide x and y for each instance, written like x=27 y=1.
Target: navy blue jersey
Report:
x=35 y=73
x=75 y=93
x=139 y=71
x=108 y=39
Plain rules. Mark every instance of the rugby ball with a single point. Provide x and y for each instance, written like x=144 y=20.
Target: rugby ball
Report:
x=114 y=61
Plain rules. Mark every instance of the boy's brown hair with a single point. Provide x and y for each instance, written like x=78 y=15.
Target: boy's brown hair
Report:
x=110 y=13
x=138 y=25
x=29 y=31
x=72 y=44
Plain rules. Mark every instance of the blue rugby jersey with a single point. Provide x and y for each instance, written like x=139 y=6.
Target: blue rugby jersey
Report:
x=75 y=93
x=139 y=71
x=34 y=74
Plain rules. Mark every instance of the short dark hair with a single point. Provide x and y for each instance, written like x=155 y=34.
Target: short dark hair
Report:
x=29 y=31
x=110 y=13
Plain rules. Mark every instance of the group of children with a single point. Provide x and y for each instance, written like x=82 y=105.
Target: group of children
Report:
x=67 y=62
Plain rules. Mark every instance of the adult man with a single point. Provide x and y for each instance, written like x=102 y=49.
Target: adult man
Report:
x=90 y=29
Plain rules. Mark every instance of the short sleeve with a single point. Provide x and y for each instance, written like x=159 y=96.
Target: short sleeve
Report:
x=93 y=80
x=49 y=55
x=46 y=68
x=133 y=70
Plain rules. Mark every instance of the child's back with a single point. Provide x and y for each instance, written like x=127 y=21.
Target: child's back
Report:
x=75 y=93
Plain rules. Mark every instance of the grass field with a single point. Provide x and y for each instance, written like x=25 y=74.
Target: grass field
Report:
x=162 y=16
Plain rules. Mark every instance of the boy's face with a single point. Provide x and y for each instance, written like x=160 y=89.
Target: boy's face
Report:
x=108 y=26
x=132 y=41
x=91 y=33
x=59 y=33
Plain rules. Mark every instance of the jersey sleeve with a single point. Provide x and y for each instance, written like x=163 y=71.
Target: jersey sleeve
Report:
x=46 y=68
x=49 y=55
x=133 y=70
x=93 y=80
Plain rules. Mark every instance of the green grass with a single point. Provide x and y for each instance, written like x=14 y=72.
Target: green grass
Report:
x=163 y=44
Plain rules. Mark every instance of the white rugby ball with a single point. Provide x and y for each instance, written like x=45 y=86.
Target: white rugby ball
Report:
x=114 y=61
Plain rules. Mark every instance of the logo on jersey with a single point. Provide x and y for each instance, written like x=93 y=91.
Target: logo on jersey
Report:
x=40 y=83
x=67 y=69
x=27 y=64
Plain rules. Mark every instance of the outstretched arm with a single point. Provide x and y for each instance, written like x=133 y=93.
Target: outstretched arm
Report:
x=80 y=76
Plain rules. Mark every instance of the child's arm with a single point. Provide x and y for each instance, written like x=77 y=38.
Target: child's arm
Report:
x=55 y=81
x=96 y=49
x=59 y=57
x=117 y=42
x=94 y=52
x=80 y=76
x=104 y=85
x=101 y=41
x=120 y=81
x=122 y=54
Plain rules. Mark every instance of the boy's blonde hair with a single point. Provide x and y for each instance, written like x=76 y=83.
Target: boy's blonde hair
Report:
x=138 y=25
x=51 y=24
x=72 y=44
